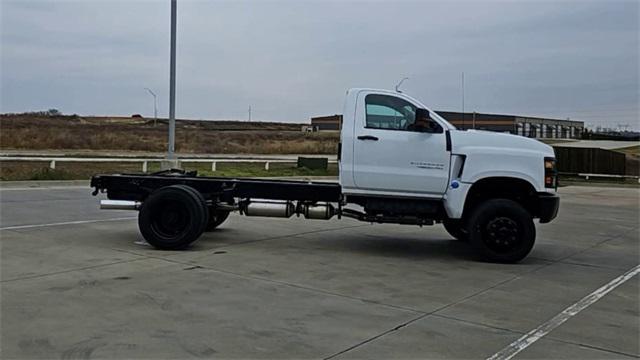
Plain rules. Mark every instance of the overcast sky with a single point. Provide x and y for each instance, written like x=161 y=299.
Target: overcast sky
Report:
x=291 y=60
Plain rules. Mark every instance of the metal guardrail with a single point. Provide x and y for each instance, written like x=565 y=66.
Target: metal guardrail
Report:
x=214 y=162
x=145 y=162
x=586 y=176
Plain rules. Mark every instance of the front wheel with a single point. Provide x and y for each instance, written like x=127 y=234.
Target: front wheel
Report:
x=501 y=230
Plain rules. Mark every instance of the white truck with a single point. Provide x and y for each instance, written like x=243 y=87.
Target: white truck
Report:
x=399 y=163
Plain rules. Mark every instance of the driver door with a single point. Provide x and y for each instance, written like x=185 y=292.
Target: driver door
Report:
x=389 y=157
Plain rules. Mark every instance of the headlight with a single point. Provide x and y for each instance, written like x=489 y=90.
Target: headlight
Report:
x=550 y=173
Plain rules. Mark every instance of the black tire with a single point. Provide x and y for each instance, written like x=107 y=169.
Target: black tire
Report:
x=216 y=217
x=173 y=217
x=455 y=229
x=501 y=230
x=203 y=203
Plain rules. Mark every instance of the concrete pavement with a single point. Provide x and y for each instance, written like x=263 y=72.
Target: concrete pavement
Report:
x=77 y=283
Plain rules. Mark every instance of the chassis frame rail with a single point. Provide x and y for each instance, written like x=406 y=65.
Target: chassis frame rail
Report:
x=137 y=187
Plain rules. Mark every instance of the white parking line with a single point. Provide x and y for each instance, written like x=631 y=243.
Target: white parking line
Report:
x=61 y=187
x=534 y=335
x=64 y=223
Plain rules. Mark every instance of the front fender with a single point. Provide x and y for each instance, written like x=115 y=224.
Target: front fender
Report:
x=487 y=162
x=538 y=185
x=456 y=197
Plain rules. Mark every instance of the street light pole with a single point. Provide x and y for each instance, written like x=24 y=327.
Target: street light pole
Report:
x=172 y=85
x=155 y=106
x=463 y=101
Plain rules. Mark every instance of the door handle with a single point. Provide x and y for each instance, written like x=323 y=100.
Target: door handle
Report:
x=367 y=137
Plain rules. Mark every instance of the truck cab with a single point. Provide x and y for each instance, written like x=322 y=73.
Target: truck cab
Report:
x=394 y=149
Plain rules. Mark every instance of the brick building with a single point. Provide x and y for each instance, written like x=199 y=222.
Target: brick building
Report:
x=520 y=125
x=331 y=122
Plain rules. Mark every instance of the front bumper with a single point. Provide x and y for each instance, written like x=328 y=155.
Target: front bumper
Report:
x=548 y=205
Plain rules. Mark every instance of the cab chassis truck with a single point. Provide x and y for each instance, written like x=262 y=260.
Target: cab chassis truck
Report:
x=399 y=163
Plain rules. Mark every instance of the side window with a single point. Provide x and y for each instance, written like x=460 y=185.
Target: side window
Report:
x=388 y=112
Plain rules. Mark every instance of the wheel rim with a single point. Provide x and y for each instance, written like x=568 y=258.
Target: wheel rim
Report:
x=169 y=219
x=502 y=235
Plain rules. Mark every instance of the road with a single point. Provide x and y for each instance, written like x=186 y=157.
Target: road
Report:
x=77 y=282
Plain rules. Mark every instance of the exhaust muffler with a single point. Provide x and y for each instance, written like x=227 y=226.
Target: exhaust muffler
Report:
x=319 y=212
x=269 y=209
x=286 y=209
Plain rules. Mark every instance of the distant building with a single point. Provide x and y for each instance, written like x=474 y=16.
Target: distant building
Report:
x=520 y=125
x=332 y=122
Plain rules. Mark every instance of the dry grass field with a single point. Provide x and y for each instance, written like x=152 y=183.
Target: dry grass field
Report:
x=13 y=170
x=103 y=135
x=32 y=132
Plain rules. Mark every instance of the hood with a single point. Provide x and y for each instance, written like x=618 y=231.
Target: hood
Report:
x=463 y=140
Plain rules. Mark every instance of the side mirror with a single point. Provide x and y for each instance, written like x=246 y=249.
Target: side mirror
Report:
x=423 y=114
x=424 y=123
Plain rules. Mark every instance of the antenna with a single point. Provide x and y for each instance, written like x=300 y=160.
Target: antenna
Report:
x=400 y=83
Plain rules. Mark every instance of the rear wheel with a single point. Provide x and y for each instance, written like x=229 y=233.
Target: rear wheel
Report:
x=216 y=218
x=501 y=230
x=173 y=217
x=455 y=229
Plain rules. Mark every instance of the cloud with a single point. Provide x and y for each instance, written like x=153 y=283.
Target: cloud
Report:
x=291 y=60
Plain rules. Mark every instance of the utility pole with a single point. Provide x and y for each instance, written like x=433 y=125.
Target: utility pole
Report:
x=249 y=113
x=172 y=85
x=155 y=106
x=463 y=100
x=474 y=120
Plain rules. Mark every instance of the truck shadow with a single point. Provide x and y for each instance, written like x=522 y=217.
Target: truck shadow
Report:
x=408 y=248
